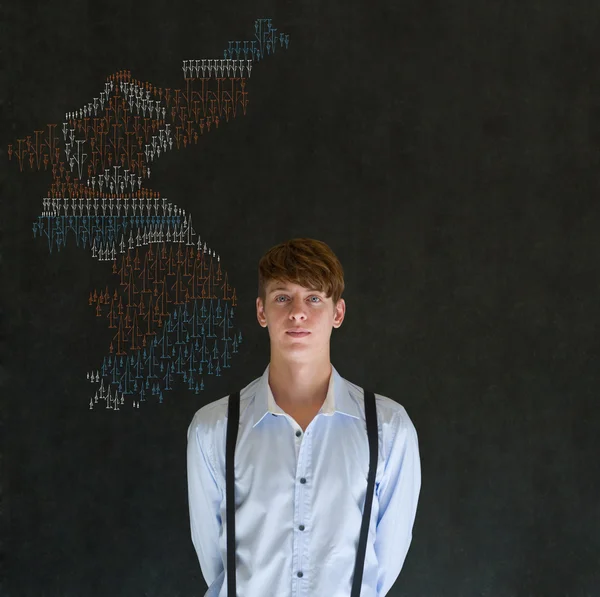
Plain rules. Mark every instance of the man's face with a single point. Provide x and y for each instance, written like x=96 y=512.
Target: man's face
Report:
x=289 y=306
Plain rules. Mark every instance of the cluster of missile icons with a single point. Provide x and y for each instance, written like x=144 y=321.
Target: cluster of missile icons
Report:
x=172 y=306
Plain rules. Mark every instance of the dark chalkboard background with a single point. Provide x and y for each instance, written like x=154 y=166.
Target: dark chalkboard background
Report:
x=449 y=153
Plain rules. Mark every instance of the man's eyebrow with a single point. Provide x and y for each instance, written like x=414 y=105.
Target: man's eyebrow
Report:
x=286 y=289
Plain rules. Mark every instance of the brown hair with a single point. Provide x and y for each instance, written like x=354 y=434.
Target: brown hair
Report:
x=303 y=261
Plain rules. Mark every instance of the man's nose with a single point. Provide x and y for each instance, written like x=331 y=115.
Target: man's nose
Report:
x=297 y=308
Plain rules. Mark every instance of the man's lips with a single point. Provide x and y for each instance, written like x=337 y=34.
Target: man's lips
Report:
x=298 y=333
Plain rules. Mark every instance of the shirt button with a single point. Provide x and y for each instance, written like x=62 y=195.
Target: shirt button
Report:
x=301 y=527
x=300 y=575
x=298 y=433
x=303 y=480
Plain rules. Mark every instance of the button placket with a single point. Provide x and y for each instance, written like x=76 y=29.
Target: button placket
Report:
x=302 y=498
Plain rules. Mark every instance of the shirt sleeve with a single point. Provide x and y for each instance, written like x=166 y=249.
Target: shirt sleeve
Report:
x=204 y=496
x=398 y=494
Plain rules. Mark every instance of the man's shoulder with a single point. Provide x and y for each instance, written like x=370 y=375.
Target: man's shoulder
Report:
x=388 y=409
x=211 y=414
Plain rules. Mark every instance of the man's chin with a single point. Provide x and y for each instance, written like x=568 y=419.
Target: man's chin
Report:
x=295 y=346
x=295 y=350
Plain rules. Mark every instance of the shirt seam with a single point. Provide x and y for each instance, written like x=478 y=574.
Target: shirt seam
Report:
x=211 y=460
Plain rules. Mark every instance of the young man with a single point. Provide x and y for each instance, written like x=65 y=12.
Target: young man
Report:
x=302 y=454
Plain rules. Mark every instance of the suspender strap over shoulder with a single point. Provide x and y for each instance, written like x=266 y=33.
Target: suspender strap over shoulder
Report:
x=371 y=420
x=233 y=412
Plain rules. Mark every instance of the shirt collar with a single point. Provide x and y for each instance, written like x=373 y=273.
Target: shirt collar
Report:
x=338 y=398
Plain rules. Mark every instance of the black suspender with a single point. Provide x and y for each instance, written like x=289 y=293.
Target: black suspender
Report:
x=233 y=418
x=232 y=432
x=371 y=419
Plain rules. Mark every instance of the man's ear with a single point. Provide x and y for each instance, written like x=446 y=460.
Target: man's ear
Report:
x=340 y=313
x=260 y=312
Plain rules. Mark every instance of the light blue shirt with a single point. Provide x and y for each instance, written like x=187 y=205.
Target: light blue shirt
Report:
x=299 y=497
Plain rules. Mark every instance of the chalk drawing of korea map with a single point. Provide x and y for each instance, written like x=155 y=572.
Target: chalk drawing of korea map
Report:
x=171 y=306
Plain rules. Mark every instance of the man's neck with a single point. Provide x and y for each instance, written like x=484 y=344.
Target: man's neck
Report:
x=299 y=385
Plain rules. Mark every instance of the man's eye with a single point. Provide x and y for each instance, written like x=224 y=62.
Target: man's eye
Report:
x=283 y=296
